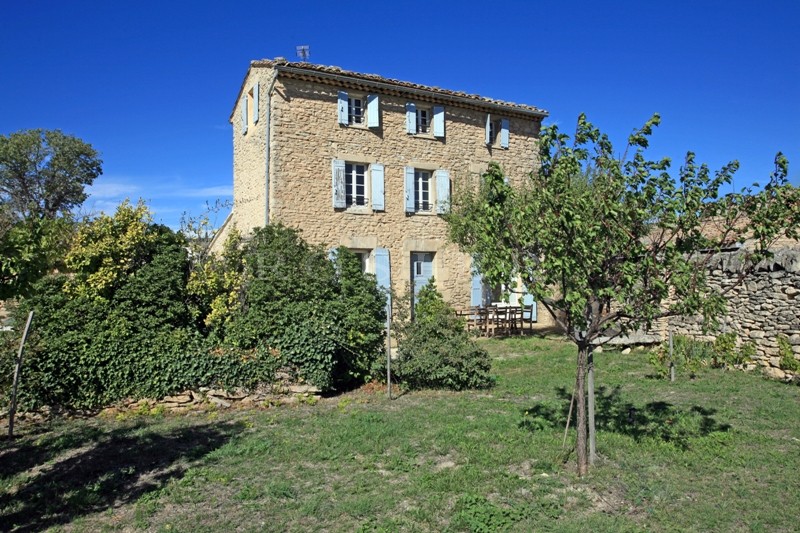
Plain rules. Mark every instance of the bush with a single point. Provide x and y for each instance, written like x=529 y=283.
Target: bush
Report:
x=435 y=351
x=326 y=318
x=690 y=354
x=787 y=359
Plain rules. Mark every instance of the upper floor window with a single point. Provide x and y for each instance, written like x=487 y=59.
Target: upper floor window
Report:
x=427 y=191
x=249 y=108
x=355 y=110
x=359 y=110
x=422 y=190
x=357 y=185
x=423 y=120
x=495 y=129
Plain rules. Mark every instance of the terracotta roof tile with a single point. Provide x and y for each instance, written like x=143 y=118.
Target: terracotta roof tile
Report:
x=312 y=68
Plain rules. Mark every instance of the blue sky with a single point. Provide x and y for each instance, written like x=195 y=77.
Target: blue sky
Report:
x=151 y=84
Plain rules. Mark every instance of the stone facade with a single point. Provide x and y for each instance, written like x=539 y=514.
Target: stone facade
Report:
x=760 y=309
x=284 y=168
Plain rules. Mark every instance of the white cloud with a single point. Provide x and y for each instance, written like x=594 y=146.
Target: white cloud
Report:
x=112 y=189
x=203 y=192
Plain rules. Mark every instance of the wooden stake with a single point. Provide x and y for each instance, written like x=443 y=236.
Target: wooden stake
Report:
x=671 y=360
x=13 y=408
x=569 y=417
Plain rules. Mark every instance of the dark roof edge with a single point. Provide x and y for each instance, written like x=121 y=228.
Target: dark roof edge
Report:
x=370 y=80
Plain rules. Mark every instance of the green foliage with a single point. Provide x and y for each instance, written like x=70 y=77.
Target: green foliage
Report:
x=215 y=283
x=787 y=359
x=324 y=317
x=28 y=250
x=44 y=172
x=688 y=355
x=108 y=249
x=435 y=350
x=602 y=240
x=126 y=333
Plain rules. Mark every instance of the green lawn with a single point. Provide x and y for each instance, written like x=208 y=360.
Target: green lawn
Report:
x=718 y=453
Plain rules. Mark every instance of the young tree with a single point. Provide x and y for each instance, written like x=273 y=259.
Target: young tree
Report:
x=609 y=243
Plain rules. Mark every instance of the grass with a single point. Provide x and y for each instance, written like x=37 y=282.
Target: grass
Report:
x=718 y=453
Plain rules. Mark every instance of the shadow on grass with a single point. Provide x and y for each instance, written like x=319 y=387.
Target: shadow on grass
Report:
x=655 y=420
x=96 y=470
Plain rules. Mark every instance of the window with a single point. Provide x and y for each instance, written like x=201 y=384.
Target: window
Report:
x=427 y=191
x=495 y=129
x=422 y=190
x=355 y=110
x=357 y=185
x=363 y=256
x=423 y=120
x=249 y=108
x=421 y=270
x=359 y=110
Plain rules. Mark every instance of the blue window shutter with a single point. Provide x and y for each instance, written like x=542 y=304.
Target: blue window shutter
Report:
x=409 y=186
x=343 y=108
x=488 y=136
x=411 y=118
x=339 y=199
x=528 y=300
x=504 y=133
x=476 y=291
x=376 y=173
x=383 y=274
x=438 y=121
x=373 y=111
x=442 y=191
x=255 y=103
x=244 y=114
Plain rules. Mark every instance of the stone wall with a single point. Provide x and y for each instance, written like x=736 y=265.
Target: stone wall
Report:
x=304 y=137
x=760 y=309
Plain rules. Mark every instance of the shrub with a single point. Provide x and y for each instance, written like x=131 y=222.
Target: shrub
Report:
x=787 y=359
x=435 y=351
x=326 y=318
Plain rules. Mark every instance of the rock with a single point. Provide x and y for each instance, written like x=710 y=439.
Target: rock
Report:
x=626 y=351
x=303 y=389
x=599 y=349
x=774 y=373
x=179 y=399
x=218 y=402
x=756 y=334
x=775 y=361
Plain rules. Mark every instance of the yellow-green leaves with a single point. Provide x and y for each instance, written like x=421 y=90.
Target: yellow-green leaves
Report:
x=107 y=249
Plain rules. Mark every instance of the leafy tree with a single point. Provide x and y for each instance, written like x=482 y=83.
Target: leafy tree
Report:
x=42 y=176
x=44 y=172
x=609 y=243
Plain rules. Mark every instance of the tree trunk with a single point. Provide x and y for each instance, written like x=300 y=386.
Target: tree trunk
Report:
x=580 y=420
x=590 y=394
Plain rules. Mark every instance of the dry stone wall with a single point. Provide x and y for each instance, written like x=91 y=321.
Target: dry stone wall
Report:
x=764 y=306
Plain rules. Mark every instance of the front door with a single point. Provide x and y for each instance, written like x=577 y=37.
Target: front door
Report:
x=421 y=270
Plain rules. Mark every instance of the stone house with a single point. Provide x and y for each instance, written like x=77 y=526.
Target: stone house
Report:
x=369 y=163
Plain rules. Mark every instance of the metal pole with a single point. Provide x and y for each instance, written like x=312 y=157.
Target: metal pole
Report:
x=389 y=351
x=590 y=393
x=13 y=408
x=671 y=360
